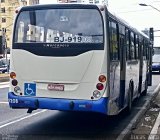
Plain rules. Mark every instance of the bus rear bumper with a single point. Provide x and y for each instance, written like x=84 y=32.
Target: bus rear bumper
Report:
x=58 y=104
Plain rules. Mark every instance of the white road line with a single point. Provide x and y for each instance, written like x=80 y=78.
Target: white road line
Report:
x=3 y=102
x=4 y=83
x=154 y=131
x=4 y=86
x=18 y=120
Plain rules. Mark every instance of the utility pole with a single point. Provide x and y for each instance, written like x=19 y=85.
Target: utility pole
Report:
x=151 y=37
x=1 y=51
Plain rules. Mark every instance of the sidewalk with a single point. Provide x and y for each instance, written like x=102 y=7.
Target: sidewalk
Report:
x=4 y=77
x=148 y=127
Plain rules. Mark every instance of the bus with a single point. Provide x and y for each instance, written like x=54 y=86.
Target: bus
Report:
x=76 y=57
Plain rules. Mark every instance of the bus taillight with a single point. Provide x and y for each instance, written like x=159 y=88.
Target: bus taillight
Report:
x=102 y=78
x=12 y=75
x=17 y=89
x=96 y=94
x=14 y=82
x=100 y=86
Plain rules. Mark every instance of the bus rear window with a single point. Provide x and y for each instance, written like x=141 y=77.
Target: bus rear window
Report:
x=59 y=26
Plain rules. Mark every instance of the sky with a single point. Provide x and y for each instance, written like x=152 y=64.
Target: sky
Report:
x=140 y=17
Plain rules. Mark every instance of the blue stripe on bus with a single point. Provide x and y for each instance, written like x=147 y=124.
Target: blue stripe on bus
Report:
x=58 y=104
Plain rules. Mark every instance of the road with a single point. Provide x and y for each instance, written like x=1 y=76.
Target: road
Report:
x=50 y=124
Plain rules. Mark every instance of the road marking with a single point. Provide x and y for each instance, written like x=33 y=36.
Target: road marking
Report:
x=3 y=102
x=18 y=120
x=154 y=132
x=4 y=85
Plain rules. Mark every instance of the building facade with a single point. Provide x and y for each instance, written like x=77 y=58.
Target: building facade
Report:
x=7 y=13
x=83 y=1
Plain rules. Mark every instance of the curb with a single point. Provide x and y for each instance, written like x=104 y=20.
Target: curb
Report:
x=127 y=131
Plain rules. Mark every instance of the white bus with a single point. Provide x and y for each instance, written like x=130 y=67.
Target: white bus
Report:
x=76 y=57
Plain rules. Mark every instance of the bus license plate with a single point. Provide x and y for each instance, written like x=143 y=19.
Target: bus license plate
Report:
x=55 y=87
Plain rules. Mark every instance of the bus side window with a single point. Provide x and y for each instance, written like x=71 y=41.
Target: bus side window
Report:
x=147 y=50
x=144 y=50
x=140 y=48
x=137 y=47
x=122 y=48
x=132 y=46
x=20 y=32
x=113 y=41
x=127 y=44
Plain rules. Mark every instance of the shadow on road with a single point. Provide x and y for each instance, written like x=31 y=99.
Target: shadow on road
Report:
x=76 y=125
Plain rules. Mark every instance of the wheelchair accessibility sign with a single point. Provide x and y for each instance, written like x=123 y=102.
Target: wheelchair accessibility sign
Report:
x=29 y=89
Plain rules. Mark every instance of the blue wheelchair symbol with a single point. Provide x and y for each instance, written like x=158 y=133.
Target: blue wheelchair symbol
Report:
x=30 y=89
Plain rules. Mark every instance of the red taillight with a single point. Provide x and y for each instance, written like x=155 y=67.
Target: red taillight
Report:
x=12 y=75
x=14 y=82
x=100 y=86
x=102 y=78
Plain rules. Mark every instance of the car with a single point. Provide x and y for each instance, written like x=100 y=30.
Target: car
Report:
x=4 y=65
x=156 y=63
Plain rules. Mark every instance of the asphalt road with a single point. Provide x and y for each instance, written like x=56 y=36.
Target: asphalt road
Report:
x=50 y=124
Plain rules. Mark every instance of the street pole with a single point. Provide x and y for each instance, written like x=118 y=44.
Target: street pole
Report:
x=151 y=37
x=143 y=4
x=151 y=33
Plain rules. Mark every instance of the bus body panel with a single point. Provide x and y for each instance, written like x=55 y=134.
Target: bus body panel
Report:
x=144 y=75
x=51 y=69
x=132 y=74
x=114 y=81
x=79 y=74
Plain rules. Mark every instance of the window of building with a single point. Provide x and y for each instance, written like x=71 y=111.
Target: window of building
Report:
x=2 y=1
x=4 y=30
x=3 y=10
x=3 y=20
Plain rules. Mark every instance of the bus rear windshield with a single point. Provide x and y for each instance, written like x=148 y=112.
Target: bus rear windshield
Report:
x=71 y=26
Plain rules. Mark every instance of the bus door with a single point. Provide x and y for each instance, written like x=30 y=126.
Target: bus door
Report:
x=144 y=63
x=141 y=64
x=122 y=51
x=114 y=63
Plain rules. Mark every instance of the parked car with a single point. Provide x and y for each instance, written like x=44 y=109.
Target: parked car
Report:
x=4 y=65
x=156 y=63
